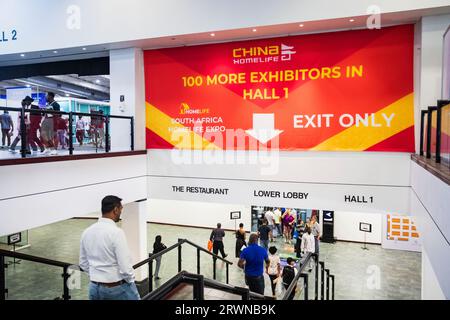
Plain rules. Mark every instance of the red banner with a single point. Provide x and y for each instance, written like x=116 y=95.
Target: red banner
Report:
x=349 y=90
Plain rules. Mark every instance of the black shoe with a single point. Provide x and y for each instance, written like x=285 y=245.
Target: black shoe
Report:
x=225 y=256
x=157 y=278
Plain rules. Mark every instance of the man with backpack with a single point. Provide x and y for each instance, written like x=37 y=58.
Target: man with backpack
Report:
x=289 y=272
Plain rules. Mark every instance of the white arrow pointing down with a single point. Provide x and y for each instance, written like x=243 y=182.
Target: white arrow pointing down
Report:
x=263 y=127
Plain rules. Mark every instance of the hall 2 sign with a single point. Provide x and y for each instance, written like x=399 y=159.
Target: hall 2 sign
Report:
x=6 y=36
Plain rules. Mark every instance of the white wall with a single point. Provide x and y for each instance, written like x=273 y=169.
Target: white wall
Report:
x=38 y=194
x=200 y=214
x=127 y=78
x=432 y=29
x=359 y=168
x=428 y=50
x=346 y=226
x=107 y=21
x=431 y=290
x=327 y=177
x=430 y=205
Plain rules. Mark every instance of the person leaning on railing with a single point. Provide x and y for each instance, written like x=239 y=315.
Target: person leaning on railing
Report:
x=105 y=256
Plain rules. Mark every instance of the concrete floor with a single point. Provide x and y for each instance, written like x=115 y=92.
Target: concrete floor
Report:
x=360 y=274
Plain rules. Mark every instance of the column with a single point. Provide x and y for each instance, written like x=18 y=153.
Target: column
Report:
x=134 y=224
x=127 y=81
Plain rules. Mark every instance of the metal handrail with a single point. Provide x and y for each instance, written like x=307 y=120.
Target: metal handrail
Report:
x=176 y=245
x=300 y=269
x=210 y=283
x=45 y=111
x=65 y=265
x=65 y=275
x=186 y=277
x=41 y=112
x=28 y=257
x=208 y=252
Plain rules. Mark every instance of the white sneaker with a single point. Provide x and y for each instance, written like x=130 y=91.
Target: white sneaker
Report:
x=12 y=151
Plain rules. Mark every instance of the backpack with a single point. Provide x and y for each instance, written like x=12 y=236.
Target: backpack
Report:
x=288 y=275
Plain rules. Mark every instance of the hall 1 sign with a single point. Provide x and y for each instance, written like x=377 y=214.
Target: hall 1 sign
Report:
x=358 y=199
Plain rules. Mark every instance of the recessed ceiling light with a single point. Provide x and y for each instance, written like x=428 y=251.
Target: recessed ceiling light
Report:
x=351 y=20
x=212 y=34
x=22 y=54
x=97 y=81
x=301 y=25
x=28 y=86
x=254 y=30
x=84 y=49
x=55 y=51
x=67 y=95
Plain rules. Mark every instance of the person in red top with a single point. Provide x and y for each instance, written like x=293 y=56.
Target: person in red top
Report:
x=35 y=125
x=61 y=129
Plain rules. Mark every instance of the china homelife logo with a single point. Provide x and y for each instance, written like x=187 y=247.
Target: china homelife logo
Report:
x=264 y=54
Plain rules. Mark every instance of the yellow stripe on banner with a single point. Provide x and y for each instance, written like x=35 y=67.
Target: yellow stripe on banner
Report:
x=360 y=138
x=180 y=137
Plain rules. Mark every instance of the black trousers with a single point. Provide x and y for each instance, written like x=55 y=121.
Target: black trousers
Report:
x=255 y=284
x=218 y=246
x=239 y=245
x=273 y=285
x=298 y=246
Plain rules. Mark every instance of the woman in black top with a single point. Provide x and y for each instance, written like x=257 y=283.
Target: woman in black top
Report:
x=158 y=246
x=240 y=240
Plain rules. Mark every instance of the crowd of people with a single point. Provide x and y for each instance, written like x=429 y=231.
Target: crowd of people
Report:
x=49 y=132
x=259 y=255
x=283 y=223
x=105 y=256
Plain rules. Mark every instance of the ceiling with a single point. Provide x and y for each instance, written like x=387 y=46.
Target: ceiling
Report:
x=87 y=87
x=71 y=85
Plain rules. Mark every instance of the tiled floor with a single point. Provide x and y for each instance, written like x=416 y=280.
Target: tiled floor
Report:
x=360 y=274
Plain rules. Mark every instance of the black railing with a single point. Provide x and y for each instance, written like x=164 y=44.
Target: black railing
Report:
x=197 y=280
x=300 y=268
x=432 y=132
x=199 y=284
x=12 y=254
x=324 y=275
x=178 y=246
x=94 y=116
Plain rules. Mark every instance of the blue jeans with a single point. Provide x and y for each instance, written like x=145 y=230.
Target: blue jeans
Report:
x=264 y=244
x=125 y=291
x=255 y=284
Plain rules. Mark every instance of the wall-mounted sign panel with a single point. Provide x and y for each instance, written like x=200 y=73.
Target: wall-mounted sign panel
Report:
x=349 y=91
x=281 y=194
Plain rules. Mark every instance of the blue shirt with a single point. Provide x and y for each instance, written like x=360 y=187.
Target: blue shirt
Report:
x=254 y=257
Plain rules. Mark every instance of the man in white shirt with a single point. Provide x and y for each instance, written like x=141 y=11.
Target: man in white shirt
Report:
x=308 y=244
x=270 y=222
x=277 y=219
x=104 y=254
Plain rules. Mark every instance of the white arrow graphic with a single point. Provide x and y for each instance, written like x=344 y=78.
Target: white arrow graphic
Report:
x=263 y=127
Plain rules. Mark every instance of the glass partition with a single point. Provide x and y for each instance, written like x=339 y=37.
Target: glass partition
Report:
x=443 y=114
x=433 y=136
x=429 y=132
x=52 y=133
